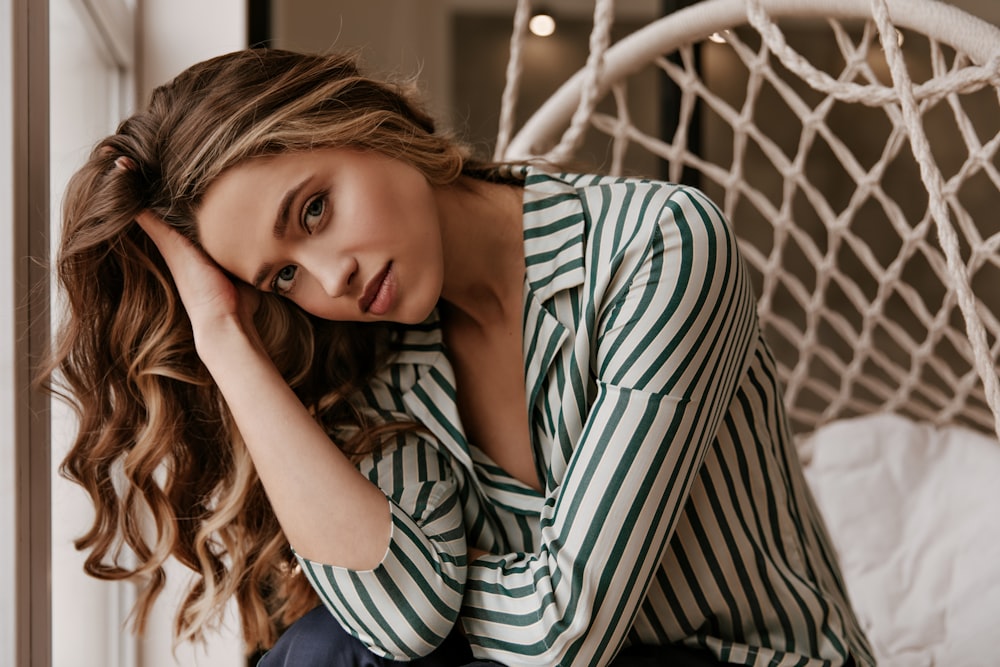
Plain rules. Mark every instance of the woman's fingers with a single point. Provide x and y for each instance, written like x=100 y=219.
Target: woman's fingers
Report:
x=155 y=228
x=208 y=293
x=169 y=242
x=152 y=224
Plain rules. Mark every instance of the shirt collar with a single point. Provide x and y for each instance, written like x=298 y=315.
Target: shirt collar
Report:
x=555 y=228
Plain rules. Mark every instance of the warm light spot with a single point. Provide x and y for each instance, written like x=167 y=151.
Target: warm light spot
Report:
x=542 y=25
x=899 y=39
x=719 y=37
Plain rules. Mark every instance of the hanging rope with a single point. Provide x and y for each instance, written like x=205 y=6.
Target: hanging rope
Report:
x=515 y=66
x=968 y=79
x=931 y=176
x=904 y=93
x=600 y=39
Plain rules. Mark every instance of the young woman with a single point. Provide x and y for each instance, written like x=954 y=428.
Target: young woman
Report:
x=320 y=355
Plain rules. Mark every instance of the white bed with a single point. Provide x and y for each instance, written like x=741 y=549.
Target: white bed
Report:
x=913 y=512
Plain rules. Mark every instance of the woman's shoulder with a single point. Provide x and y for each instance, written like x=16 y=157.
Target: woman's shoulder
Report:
x=600 y=224
x=617 y=208
x=619 y=199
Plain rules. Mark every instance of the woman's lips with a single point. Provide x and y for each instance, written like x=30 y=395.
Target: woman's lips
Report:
x=379 y=292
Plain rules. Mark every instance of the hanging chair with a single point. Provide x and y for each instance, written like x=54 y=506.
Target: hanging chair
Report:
x=857 y=296
x=853 y=144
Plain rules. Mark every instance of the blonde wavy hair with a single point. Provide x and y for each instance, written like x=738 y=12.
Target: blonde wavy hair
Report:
x=157 y=449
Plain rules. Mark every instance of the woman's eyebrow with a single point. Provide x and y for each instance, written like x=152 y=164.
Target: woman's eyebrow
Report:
x=261 y=275
x=280 y=226
x=284 y=209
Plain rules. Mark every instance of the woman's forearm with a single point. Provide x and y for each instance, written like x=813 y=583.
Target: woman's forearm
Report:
x=328 y=510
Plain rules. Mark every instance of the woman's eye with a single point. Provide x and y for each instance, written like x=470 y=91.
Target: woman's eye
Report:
x=284 y=280
x=312 y=214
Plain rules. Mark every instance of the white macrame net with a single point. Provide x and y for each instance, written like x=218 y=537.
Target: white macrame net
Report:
x=877 y=262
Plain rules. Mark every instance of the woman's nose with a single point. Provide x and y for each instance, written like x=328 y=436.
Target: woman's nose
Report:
x=337 y=276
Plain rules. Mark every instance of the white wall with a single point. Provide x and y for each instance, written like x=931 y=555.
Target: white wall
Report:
x=87 y=78
x=178 y=33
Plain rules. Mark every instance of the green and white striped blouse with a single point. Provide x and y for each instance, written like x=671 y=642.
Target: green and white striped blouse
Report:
x=674 y=508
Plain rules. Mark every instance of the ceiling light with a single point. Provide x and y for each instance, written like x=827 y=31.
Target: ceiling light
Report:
x=542 y=24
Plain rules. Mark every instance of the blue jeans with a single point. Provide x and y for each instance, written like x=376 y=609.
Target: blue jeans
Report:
x=318 y=640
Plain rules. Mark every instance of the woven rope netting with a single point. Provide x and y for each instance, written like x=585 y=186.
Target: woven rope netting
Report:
x=858 y=162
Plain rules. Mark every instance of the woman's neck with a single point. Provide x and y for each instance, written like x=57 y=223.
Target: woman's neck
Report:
x=482 y=236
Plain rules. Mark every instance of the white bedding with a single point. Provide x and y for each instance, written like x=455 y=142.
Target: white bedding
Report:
x=914 y=513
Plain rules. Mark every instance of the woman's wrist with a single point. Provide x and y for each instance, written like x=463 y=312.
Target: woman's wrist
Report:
x=224 y=339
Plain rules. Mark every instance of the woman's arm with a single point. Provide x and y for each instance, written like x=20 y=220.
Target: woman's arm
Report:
x=309 y=481
x=326 y=508
x=672 y=331
x=405 y=607
x=383 y=545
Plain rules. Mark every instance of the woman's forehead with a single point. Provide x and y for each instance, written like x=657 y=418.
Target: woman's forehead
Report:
x=237 y=213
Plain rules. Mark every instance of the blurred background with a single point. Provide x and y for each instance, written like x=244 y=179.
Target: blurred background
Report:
x=69 y=71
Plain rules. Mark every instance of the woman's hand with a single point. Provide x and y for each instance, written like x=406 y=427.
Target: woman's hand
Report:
x=308 y=479
x=210 y=297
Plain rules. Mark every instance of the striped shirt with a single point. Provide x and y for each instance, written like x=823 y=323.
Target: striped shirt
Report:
x=674 y=508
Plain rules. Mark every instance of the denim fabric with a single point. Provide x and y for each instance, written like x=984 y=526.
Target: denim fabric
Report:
x=318 y=640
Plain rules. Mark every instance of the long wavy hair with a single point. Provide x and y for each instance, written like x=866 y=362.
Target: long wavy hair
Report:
x=157 y=449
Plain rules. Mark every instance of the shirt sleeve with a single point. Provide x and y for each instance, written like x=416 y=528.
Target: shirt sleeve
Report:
x=406 y=606
x=672 y=332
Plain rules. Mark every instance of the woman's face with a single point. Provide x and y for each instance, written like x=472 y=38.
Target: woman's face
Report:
x=346 y=234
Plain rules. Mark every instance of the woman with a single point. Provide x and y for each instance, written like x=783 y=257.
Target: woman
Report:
x=496 y=412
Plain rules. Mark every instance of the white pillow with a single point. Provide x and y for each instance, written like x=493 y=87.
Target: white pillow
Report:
x=914 y=512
